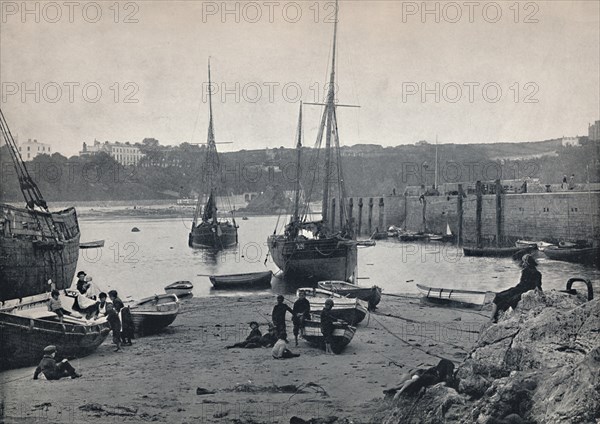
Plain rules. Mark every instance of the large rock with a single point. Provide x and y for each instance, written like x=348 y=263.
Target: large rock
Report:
x=540 y=363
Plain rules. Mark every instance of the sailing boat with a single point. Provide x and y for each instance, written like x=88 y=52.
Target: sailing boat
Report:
x=207 y=230
x=36 y=245
x=313 y=250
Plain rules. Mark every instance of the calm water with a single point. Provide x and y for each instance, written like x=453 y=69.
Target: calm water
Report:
x=141 y=264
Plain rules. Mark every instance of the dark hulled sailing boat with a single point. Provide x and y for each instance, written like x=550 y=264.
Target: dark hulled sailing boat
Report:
x=35 y=244
x=207 y=230
x=314 y=250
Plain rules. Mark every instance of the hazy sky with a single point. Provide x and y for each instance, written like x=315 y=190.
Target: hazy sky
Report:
x=149 y=59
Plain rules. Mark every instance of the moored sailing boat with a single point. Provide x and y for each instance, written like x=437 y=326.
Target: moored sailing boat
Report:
x=35 y=244
x=207 y=230
x=313 y=250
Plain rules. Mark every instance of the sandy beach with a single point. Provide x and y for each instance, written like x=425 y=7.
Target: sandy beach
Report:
x=157 y=379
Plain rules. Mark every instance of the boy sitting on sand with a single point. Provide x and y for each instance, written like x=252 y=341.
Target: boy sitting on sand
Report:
x=280 y=350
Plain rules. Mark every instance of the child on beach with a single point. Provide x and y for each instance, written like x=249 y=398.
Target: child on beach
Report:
x=55 y=305
x=280 y=350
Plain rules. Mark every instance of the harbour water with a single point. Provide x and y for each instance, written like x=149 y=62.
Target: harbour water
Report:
x=139 y=264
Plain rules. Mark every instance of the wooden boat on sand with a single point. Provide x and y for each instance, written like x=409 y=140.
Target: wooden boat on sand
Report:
x=27 y=327
x=371 y=295
x=465 y=297
x=541 y=245
x=152 y=314
x=582 y=255
x=250 y=280
x=180 y=288
x=342 y=334
x=346 y=309
x=497 y=252
x=91 y=244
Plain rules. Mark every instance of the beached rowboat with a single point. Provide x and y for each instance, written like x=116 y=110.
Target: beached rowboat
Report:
x=180 y=288
x=251 y=280
x=466 y=297
x=582 y=255
x=152 y=314
x=91 y=244
x=342 y=334
x=27 y=327
x=371 y=295
x=497 y=252
x=350 y=310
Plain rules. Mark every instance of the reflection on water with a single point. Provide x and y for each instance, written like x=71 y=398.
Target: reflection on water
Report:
x=142 y=263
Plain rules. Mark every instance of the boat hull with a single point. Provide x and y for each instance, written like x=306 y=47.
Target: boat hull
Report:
x=27 y=262
x=152 y=314
x=24 y=339
x=342 y=334
x=207 y=235
x=180 y=288
x=314 y=260
x=457 y=297
x=371 y=295
x=586 y=255
x=257 y=280
x=352 y=311
x=497 y=252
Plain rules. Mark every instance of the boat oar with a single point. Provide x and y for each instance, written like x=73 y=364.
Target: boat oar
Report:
x=204 y=275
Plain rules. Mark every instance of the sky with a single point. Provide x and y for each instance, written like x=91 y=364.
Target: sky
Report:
x=465 y=72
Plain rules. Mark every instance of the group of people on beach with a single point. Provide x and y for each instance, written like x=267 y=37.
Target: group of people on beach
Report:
x=276 y=336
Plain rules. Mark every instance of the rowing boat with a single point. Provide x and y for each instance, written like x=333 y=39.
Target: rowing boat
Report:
x=342 y=333
x=583 y=255
x=497 y=252
x=27 y=327
x=180 y=288
x=541 y=245
x=250 y=280
x=350 y=310
x=91 y=244
x=465 y=297
x=371 y=295
x=152 y=314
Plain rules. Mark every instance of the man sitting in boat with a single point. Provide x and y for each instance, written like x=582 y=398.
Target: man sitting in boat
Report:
x=531 y=279
x=327 y=328
x=51 y=370
x=280 y=350
x=300 y=313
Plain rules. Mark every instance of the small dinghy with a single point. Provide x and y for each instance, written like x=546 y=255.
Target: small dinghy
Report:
x=91 y=244
x=180 y=288
x=251 y=280
x=541 y=245
x=581 y=255
x=346 y=309
x=152 y=314
x=498 y=252
x=469 y=298
x=135 y=230
x=342 y=333
x=371 y=295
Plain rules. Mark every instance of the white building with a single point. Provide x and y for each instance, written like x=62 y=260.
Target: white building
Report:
x=570 y=141
x=124 y=153
x=31 y=148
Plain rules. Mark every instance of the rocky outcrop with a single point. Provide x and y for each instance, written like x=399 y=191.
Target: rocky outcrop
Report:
x=539 y=364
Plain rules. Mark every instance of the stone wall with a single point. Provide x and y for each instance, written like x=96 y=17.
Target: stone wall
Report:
x=564 y=216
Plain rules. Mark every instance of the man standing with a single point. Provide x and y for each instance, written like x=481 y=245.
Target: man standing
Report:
x=52 y=370
x=300 y=312
x=278 y=315
x=112 y=316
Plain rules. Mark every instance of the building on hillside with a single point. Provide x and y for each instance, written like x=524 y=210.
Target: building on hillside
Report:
x=594 y=131
x=31 y=148
x=570 y=141
x=124 y=153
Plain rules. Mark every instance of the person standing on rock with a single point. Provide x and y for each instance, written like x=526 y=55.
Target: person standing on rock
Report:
x=531 y=279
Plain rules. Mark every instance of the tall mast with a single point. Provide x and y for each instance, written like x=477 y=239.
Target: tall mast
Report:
x=329 y=109
x=436 y=163
x=296 y=216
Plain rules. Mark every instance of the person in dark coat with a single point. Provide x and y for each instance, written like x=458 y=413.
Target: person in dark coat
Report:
x=51 y=370
x=327 y=328
x=112 y=316
x=114 y=298
x=300 y=313
x=278 y=315
x=252 y=340
x=531 y=279
x=411 y=383
x=127 y=326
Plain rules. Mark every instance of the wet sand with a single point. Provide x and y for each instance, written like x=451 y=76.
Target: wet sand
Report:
x=157 y=379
